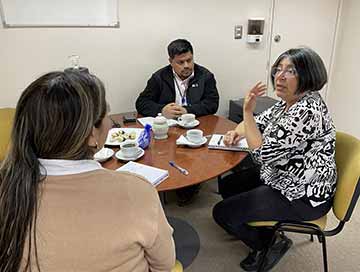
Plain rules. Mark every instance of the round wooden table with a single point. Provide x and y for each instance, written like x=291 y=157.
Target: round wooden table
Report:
x=202 y=163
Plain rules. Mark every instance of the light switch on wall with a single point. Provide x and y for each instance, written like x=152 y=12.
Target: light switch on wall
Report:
x=238 y=32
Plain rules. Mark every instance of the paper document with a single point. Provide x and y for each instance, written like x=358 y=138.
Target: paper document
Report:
x=216 y=142
x=153 y=174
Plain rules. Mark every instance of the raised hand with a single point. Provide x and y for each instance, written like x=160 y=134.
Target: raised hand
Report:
x=250 y=99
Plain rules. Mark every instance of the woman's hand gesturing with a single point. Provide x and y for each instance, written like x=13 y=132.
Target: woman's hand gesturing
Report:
x=250 y=98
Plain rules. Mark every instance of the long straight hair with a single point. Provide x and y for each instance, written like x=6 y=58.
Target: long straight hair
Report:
x=54 y=118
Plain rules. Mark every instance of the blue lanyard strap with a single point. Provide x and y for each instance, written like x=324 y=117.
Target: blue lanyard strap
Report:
x=182 y=95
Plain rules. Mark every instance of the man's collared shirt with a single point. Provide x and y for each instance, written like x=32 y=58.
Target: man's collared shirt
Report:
x=181 y=87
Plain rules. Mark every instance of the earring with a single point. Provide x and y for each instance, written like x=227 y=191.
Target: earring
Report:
x=96 y=145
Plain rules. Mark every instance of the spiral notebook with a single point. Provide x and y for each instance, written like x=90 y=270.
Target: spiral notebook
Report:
x=152 y=174
x=216 y=142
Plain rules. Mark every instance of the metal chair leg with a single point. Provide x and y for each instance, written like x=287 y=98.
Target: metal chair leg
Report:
x=311 y=238
x=323 y=243
x=219 y=179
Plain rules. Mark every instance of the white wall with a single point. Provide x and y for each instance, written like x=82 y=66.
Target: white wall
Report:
x=344 y=95
x=124 y=58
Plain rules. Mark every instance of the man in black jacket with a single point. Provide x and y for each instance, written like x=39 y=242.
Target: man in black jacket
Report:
x=181 y=87
x=178 y=88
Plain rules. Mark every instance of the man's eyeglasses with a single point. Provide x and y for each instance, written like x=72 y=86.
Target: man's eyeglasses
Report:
x=287 y=73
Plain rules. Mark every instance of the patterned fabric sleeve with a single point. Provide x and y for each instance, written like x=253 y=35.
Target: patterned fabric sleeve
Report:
x=263 y=119
x=288 y=132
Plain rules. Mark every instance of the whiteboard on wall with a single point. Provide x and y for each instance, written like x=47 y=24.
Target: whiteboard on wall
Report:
x=59 y=13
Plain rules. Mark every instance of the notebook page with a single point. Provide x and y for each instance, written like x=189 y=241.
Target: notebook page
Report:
x=153 y=174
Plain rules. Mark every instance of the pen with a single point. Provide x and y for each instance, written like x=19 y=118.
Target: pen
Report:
x=219 y=142
x=182 y=170
x=115 y=123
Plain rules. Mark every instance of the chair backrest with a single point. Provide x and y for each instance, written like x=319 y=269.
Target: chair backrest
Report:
x=178 y=267
x=347 y=156
x=6 y=120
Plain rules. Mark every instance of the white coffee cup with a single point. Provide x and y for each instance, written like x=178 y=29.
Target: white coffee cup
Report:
x=129 y=148
x=194 y=135
x=187 y=118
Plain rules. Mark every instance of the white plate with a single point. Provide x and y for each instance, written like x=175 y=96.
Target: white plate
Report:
x=103 y=154
x=191 y=144
x=126 y=130
x=121 y=156
x=190 y=125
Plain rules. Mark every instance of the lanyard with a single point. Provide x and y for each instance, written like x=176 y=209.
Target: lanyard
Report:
x=182 y=95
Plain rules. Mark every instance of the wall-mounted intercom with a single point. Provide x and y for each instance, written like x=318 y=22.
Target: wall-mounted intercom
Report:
x=255 y=30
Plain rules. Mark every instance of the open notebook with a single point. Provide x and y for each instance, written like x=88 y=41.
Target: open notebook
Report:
x=154 y=175
x=216 y=142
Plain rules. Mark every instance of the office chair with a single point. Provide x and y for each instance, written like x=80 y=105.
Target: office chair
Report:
x=347 y=156
x=6 y=120
x=178 y=267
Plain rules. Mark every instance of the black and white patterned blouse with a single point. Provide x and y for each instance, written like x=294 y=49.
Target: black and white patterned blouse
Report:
x=297 y=156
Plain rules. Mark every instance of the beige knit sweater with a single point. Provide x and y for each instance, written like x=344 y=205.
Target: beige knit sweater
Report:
x=102 y=220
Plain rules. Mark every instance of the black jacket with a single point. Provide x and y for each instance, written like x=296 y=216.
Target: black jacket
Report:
x=202 y=95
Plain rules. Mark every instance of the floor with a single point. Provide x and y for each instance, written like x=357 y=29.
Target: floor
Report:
x=222 y=253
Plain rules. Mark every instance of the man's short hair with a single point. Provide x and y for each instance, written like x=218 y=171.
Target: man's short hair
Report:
x=179 y=46
x=310 y=68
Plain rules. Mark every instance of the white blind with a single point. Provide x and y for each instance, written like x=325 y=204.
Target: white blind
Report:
x=42 y=13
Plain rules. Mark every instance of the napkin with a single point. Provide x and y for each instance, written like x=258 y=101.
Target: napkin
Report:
x=182 y=140
x=150 y=121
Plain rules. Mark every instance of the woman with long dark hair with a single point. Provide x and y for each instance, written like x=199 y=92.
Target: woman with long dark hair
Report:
x=59 y=209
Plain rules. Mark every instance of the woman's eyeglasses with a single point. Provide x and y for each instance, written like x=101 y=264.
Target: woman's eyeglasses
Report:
x=287 y=73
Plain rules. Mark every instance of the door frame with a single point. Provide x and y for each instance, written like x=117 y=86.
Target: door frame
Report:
x=332 y=55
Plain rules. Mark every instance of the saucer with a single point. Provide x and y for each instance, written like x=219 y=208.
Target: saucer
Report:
x=103 y=154
x=182 y=140
x=190 y=125
x=119 y=155
x=191 y=144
